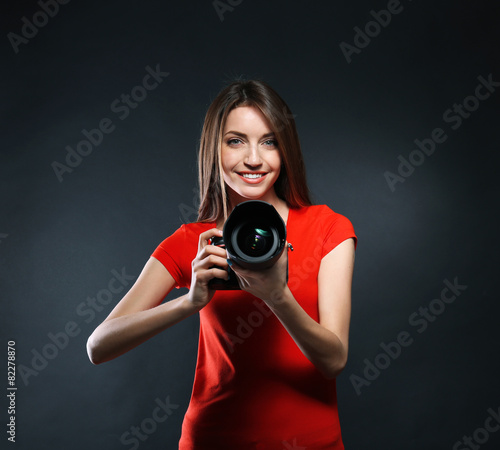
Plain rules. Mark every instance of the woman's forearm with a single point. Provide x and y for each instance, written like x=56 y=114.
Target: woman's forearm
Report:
x=321 y=346
x=116 y=336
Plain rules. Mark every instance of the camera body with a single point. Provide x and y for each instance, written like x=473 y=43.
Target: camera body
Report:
x=231 y=284
x=254 y=237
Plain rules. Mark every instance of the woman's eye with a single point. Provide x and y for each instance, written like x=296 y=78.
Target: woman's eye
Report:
x=233 y=141
x=271 y=143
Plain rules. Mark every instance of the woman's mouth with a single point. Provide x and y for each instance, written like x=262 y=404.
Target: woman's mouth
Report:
x=252 y=177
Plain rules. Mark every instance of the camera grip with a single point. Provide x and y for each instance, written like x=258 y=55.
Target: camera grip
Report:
x=220 y=284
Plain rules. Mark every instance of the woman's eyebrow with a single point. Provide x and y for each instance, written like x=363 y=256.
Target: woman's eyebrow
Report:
x=237 y=133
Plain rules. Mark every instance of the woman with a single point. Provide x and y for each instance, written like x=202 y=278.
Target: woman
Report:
x=269 y=353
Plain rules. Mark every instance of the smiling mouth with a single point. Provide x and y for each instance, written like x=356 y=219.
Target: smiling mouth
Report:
x=251 y=176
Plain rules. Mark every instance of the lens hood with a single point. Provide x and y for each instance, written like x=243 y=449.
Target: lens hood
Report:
x=254 y=235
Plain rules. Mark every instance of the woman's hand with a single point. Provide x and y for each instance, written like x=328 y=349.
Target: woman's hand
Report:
x=324 y=343
x=210 y=262
x=267 y=284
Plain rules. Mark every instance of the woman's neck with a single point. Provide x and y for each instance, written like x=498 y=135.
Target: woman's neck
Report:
x=271 y=198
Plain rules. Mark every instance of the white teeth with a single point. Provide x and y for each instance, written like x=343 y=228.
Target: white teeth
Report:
x=252 y=175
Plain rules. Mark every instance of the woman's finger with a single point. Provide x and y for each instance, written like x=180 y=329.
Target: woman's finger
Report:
x=206 y=236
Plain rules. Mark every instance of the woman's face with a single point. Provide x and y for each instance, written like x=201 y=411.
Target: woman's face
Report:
x=251 y=160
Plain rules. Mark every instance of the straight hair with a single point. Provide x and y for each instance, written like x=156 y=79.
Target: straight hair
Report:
x=291 y=185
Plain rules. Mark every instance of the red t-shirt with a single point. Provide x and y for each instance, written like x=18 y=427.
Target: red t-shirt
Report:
x=253 y=387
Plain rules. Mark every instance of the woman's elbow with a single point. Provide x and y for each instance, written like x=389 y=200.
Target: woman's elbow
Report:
x=93 y=350
x=333 y=373
x=335 y=367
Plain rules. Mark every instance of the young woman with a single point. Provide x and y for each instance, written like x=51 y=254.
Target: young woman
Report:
x=268 y=354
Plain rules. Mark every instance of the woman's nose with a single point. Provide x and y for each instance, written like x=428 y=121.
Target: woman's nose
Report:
x=253 y=155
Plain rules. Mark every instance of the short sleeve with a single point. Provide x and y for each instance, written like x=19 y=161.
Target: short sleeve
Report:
x=171 y=253
x=337 y=228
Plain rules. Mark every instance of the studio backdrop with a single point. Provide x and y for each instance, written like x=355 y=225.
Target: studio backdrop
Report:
x=397 y=106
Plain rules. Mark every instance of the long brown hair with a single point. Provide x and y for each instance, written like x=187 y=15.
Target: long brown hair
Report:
x=291 y=184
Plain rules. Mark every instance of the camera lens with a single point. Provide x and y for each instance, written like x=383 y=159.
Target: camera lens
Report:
x=255 y=241
x=252 y=241
x=254 y=235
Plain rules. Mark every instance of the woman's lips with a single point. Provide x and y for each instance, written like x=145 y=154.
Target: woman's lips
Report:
x=251 y=178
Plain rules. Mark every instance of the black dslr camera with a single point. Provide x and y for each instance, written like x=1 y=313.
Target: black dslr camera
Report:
x=254 y=237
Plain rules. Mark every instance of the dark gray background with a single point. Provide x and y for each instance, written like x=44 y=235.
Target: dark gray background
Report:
x=61 y=240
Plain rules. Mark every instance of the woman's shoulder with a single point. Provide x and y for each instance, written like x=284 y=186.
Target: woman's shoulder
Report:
x=196 y=227
x=324 y=222
x=189 y=232
x=319 y=213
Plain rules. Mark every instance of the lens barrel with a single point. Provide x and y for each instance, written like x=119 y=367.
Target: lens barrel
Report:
x=254 y=236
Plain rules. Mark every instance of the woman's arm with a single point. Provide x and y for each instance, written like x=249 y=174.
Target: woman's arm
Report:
x=325 y=343
x=140 y=314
